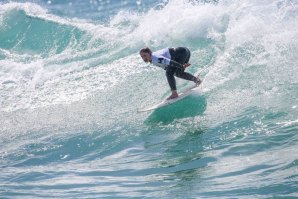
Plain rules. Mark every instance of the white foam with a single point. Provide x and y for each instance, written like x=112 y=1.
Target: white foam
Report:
x=177 y=21
x=260 y=31
x=76 y=73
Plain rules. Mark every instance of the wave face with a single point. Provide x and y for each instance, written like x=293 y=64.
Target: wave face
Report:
x=72 y=82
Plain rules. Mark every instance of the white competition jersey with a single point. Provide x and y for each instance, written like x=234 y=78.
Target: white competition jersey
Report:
x=161 y=58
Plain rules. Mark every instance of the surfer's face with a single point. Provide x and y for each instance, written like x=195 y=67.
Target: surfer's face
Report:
x=146 y=56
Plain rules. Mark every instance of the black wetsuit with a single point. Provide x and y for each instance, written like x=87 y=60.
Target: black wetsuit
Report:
x=172 y=60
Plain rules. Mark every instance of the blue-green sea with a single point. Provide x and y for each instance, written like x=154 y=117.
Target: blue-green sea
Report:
x=72 y=84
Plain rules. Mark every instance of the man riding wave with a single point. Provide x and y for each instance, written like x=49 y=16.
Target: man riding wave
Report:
x=174 y=61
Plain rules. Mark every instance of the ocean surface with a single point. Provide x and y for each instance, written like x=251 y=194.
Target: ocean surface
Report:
x=72 y=82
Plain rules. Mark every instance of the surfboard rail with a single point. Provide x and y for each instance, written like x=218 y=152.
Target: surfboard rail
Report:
x=165 y=102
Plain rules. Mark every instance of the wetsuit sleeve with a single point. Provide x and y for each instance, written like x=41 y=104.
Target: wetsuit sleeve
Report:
x=164 y=62
x=176 y=64
x=170 y=62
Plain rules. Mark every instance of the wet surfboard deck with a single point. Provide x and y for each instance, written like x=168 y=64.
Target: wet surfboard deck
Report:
x=164 y=103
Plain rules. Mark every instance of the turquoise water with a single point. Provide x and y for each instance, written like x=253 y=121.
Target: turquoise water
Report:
x=72 y=82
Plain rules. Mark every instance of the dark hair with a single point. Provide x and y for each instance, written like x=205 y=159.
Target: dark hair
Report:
x=145 y=50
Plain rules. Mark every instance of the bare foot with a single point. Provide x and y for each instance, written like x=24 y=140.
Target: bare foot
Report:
x=173 y=96
x=198 y=81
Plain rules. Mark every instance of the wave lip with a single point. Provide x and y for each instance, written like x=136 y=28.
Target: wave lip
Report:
x=69 y=101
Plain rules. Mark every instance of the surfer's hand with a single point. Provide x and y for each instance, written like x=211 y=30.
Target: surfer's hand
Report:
x=186 y=65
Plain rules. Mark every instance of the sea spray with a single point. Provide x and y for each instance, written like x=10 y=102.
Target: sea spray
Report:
x=71 y=82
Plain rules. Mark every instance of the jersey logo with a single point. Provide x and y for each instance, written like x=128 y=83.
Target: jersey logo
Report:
x=160 y=60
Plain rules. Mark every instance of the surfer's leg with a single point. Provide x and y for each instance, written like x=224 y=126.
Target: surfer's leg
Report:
x=170 y=77
x=185 y=75
x=182 y=55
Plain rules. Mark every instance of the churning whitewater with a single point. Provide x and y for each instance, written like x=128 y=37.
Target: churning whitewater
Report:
x=72 y=82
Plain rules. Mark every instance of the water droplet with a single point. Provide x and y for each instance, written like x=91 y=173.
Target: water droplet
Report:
x=138 y=2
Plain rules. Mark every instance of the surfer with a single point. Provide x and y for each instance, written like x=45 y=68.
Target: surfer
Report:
x=173 y=61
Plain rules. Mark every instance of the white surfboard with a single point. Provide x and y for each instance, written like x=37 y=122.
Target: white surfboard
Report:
x=164 y=103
